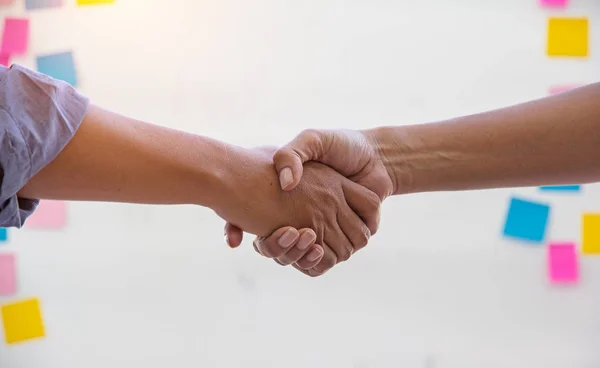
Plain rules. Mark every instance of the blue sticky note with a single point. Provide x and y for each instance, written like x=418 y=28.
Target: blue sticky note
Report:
x=40 y=4
x=59 y=66
x=527 y=220
x=3 y=235
x=561 y=188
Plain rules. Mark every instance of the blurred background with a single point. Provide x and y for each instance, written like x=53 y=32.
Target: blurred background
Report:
x=438 y=286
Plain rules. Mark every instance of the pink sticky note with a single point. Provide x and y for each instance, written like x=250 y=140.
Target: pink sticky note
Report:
x=563 y=263
x=554 y=3
x=15 y=39
x=560 y=89
x=4 y=59
x=48 y=215
x=8 y=275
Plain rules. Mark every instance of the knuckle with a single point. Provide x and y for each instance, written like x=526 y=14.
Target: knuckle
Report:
x=344 y=253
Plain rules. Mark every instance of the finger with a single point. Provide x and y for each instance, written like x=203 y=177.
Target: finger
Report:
x=354 y=228
x=364 y=203
x=300 y=249
x=277 y=243
x=308 y=145
x=311 y=259
x=327 y=262
x=233 y=235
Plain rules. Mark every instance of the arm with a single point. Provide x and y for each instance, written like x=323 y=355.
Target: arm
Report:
x=117 y=159
x=554 y=140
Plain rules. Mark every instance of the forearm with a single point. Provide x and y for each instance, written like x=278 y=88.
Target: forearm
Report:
x=117 y=159
x=555 y=140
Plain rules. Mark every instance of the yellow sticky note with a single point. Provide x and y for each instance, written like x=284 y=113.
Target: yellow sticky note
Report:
x=591 y=234
x=568 y=37
x=22 y=321
x=94 y=2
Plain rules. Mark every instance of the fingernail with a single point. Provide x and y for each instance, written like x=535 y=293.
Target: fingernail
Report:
x=287 y=238
x=306 y=240
x=227 y=241
x=313 y=255
x=285 y=177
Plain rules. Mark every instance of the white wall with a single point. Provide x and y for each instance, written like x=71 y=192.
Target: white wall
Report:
x=145 y=286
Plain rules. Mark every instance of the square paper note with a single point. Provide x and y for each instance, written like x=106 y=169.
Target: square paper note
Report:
x=22 y=321
x=59 y=66
x=15 y=38
x=48 y=215
x=4 y=59
x=563 y=265
x=561 y=188
x=554 y=3
x=568 y=37
x=526 y=220
x=40 y=4
x=591 y=233
x=8 y=275
x=560 y=89
x=94 y=2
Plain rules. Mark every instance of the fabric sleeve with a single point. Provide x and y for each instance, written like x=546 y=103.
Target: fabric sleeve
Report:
x=39 y=115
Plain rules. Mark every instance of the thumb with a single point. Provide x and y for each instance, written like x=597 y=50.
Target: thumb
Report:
x=233 y=235
x=307 y=146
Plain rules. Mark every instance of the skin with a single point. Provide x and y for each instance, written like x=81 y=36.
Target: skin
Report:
x=550 y=141
x=117 y=159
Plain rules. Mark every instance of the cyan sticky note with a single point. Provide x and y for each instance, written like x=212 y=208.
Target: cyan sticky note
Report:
x=3 y=235
x=59 y=66
x=40 y=4
x=15 y=38
x=561 y=188
x=527 y=220
x=563 y=263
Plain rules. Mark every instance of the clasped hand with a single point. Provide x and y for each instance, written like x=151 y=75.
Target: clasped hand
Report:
x=313 y=203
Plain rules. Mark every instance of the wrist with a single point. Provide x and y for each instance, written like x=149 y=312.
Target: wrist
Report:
x=390 y=149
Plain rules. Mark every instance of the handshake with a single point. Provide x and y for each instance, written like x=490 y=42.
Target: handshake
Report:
x=317 y=205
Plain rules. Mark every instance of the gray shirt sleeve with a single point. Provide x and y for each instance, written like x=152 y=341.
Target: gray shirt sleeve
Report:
x=38 y=117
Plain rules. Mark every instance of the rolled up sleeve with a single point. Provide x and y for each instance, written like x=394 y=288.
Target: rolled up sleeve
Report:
x=38 y=117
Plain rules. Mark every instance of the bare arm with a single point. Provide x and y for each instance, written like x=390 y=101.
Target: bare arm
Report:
x=118 y=159
x=550 y=141
x=555 y=140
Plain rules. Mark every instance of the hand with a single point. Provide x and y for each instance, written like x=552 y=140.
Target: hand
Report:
x=325 y=201
x=285 y=246
x=354 y=154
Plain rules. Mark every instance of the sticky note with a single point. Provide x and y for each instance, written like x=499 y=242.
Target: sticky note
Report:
x=526 y=220
x=554 y=3
x=8 y=275
x=59 y=66
x=3 y=234
x=6 y=2
x=563 y=263
x=15 y=38
x=561 y=188
x=48 y=215
x=94 y=2
x=4 y=59
x=40 y=4
x=591 y=233
x=22 y=321
x=568 y=37
x=560 y=89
